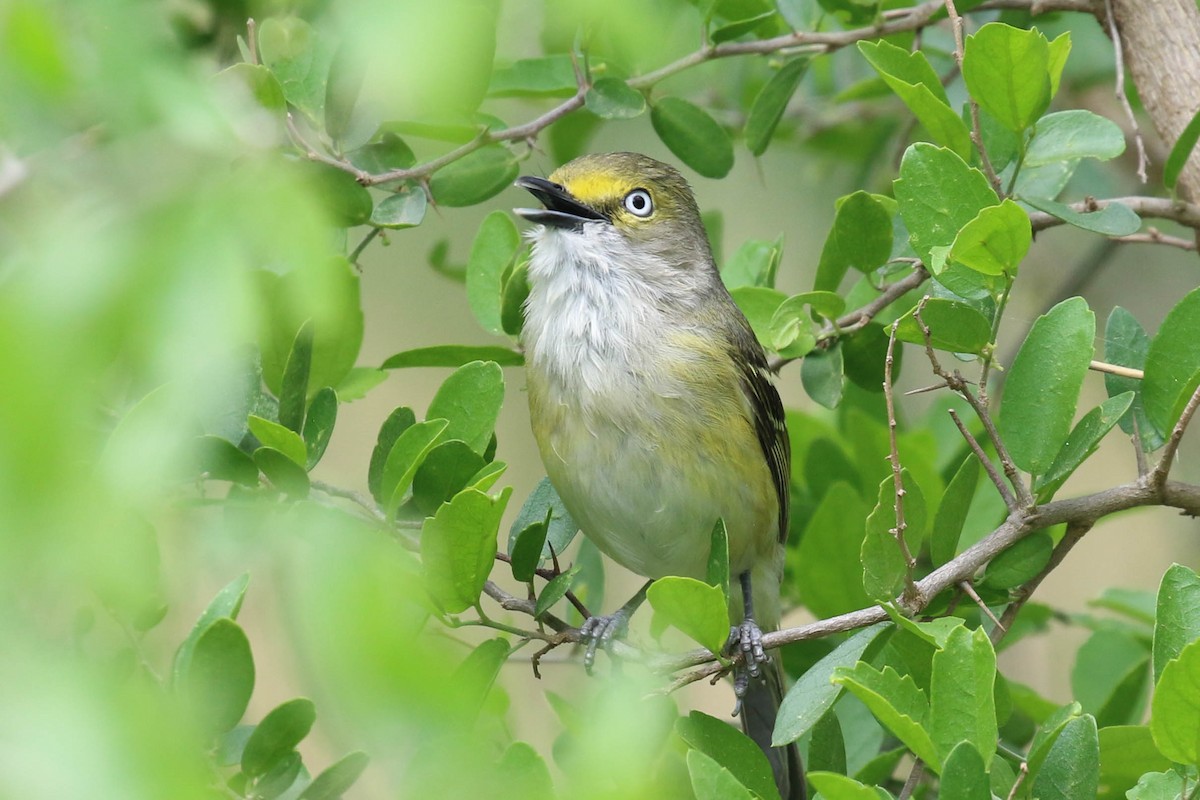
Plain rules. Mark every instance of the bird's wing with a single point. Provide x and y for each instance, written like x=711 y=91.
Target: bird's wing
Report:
x=769 y=421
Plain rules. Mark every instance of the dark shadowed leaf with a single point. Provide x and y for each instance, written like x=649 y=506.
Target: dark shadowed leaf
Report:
x=693 y=136
x=771 y=102
x=475 y=177
x=277 y=735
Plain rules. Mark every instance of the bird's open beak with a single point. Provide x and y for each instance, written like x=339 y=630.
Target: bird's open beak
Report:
x=561 y=209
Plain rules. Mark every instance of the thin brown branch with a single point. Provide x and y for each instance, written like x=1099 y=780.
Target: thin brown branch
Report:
x=1119 y=51
x=1184 y=213
x=1155 y=236
x=897 y=532
x=510 y=602
x=915 y=777
x=1158 y=476
x=314 y=153
x=968 y=589
x=1116 y=369
x=1010 y=502
x=956 y=25
x=549 y=575
x=1022 y=773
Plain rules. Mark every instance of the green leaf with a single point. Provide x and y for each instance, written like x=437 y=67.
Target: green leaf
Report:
x=833 y=786
x=814 y=694
x=495 y=247
x=1108 y=665
x=1060 y=48
x=279 y=778
x=472 y=680
x=938 y=195
x=740 y=27
x=897 y=703
x=827 y=567
x=475 y=177
x=1126 y=752
x=277 y=735
x=218 y=679
x=300 y=59
x=276 y=436
x=226 y=604
x=793 y=331
x=1074 y=134
x=512 y=303
x=711 y=781
x=1081 y=443
x=952 y=511
x=953 y=326
x=1172 y=363
x=486 y=477
x=346 y=201
x=1177 y=615
x=759 y=304
x=523 y=773
x=1007 y=71
x=404 y=209
x=737 y=752
x=527 y=551
x=387 y=154
x=1047 y=735
x=962 y=705
x=861 y=237
x=996 y=241
x=470 y=400
x=910 y=76
x=554 y=591
x=693 y=136
x=827 y=745
x=405 y=457
x=221 y=460
x=1072 y=768
x=400 y=420
x=754 y=264
x=882 y=561
x=358 y=382
x=1114 y=219
x=1019 y=563
x=446 y=470
x=544 y=504
x=1181 y=151
x=453 y=355
x=334 y=781
x=286 y=475
x=964 y=775
x=458 y=547
x=1043 y=384
x=1165 y=785
x=613 y=98
x=694 y=607
x=717 y=570
x=822 y=373
x=1126 y=344
x=258 y=80
x=767 y=109
x=318 y=425
x=548 y=76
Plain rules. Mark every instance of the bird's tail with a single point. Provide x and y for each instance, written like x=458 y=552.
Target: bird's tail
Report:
x=760 y=707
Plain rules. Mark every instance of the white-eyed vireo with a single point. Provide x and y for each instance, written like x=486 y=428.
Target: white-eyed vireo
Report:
x=652 y=403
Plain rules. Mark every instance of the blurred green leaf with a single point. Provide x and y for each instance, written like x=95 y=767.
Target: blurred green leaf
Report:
x=405 y=457
x=472 y=680
x=827 y=568
x=1007 y=71
x=838 y=787
x=1072 y=768
x=475 y=177
x=445 y=472
x=284 y=474
x=453 y=355
x=387 y=154
x=1177 y=615
x=1019 y=563
x=1173 y=363
x=318 y=425
x=693 y=136
x=1126 y=752
x=359 y=381
x=218 y=679
x=938 y=195
x=276 y=737
x=953 y=326
x=952 y=511
x=964 y=774
x=470 y=400
x=523 y=773
x=754 y=264
x=814 y=694
x=737 y=752
x=293 y=392
x=400 y=420
x=1043 y=384
x=717 y=570
x=1126 y=344
x=961 y=702
x=1082 y=443
x=274 y=435
x=822 y=373
x=861 y=237
x=404 y=209
x=711 y=781
x=910 y=76
x=333 y=782
x=262 y=85
x=279 y=778
x=544 y=504
x=348 y=203
x=996 y=241
x=223 y=461
x=740 y=27
x=496 y=245
x=771 y=102
x=1181 y=151
x=897 y=702
x=613 y=98
x=1074 y=134
x=882 y=561
x=458 y=547
x=546 y=76
x=1110 y=676
x=300 y=59
x=1114 y=219
x=227 y=603
x=758 y=304
x=1164 y=785
x=694 y=607
x=512 y=304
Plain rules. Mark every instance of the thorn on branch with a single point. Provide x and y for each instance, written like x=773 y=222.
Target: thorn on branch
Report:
x=910 y=563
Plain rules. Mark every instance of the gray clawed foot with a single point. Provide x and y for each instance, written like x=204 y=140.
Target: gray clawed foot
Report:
x=602 y=630
x=746 y=648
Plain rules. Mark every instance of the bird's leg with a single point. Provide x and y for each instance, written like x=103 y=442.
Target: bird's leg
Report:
x=748 y=638
x=604 y=630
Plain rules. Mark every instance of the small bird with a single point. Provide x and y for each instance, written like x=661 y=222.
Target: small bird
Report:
x=653 y=407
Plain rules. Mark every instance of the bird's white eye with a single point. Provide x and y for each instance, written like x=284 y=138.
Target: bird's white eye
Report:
x=639 y=204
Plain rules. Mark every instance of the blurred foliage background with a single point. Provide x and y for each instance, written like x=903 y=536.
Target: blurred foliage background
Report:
x=153 y=221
